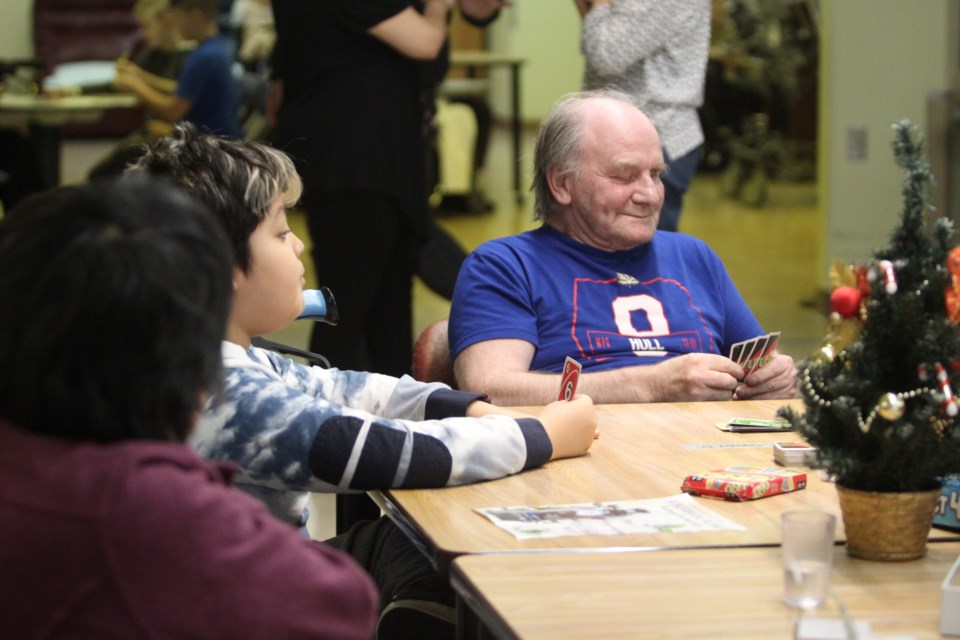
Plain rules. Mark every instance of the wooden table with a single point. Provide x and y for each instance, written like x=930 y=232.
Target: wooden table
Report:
x=477 y=59
x=644 y=451
x=45 y=116
x=703 y=593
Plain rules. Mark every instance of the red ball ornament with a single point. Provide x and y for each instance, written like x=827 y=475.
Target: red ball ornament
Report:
x=845 y=301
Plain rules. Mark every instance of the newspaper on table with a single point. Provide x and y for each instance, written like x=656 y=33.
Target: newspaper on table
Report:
x=674 y=514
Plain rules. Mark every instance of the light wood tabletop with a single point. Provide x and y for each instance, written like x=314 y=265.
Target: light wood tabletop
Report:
x=644 y=451
x=702 y=593
x=18 y=109
x=484 y=58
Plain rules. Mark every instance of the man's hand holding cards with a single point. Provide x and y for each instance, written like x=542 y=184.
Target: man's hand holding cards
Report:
x=767 y=374
x=754 y=354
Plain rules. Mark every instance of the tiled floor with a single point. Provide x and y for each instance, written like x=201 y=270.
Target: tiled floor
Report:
x=770 y=251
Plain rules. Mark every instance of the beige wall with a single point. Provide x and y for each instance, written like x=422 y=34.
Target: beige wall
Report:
x=16 y=26
x=882 y=58
x=546 y=33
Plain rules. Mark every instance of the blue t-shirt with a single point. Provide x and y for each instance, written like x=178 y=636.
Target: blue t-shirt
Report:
x=207 y=82
x=606 y=309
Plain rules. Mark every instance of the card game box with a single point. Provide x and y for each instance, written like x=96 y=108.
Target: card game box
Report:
x=744 y=482
x=788 y=453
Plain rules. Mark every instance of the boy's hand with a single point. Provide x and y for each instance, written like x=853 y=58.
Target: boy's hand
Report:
x=571 y=425
x=479 y=408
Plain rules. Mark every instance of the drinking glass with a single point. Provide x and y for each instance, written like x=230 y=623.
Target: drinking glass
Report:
x=807 y=554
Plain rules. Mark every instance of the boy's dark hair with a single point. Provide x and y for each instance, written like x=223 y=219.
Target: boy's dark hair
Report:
x=115 y=299
x=210 y=8
x=237 y=180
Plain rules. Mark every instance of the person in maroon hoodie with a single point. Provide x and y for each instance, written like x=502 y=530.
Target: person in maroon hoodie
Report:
x=114 y=303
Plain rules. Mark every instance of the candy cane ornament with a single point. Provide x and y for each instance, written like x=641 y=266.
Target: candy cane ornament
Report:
x=889 y=277
x=948 y=404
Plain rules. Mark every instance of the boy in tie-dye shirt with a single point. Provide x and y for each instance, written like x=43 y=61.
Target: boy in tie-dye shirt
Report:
x=293 y=429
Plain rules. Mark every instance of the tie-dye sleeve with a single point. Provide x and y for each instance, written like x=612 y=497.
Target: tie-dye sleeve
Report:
x=306 y=429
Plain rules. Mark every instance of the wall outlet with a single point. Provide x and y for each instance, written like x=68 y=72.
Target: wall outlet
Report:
x=857 y=143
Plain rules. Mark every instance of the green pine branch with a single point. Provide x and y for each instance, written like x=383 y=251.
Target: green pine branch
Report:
x=904 y=336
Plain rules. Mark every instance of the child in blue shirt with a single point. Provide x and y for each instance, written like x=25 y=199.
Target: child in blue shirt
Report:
x=206 y=94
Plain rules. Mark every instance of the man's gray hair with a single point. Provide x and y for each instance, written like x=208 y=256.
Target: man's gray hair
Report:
x=558 y=144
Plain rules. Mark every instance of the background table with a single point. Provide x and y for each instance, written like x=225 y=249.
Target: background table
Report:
x=480 y=59
x=644 y=451
x=44 y=117
x=716 y=593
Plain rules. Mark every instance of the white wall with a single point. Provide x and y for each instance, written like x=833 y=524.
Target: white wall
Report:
x=881 y=60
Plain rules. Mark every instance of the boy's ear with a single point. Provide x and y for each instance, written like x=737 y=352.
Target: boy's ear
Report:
x=238 y=277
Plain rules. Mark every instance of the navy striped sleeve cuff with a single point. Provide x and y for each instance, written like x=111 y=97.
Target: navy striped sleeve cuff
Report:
x=448 y=403
x=539 y=447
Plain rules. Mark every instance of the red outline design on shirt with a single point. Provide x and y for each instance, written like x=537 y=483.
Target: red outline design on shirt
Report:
x=573 y=324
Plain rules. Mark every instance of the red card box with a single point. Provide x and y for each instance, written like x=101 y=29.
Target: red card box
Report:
x=744 y=483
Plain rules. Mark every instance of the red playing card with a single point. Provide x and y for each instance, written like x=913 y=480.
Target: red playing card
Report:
x=568 y=382
x=768 y=351
x=750 y=365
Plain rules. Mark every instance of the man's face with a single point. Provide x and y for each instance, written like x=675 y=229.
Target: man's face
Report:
x=613 y=202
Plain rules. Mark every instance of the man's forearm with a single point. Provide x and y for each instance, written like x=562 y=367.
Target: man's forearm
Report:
x=630 y=384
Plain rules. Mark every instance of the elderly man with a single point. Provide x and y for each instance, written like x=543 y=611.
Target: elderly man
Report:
x=599 y=283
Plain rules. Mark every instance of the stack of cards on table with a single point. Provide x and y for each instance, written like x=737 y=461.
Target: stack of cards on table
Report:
x=791 y=453
x=754 y=425
x=744 y=482
x=754 y=354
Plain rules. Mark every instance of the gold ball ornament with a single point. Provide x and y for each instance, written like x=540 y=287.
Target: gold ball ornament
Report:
x=891 y=406
x=827 y=353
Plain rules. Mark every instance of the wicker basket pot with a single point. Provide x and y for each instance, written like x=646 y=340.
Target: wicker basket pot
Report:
x=887 y=526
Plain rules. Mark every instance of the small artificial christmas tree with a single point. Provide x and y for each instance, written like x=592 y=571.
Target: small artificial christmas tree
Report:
x=880 y=409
